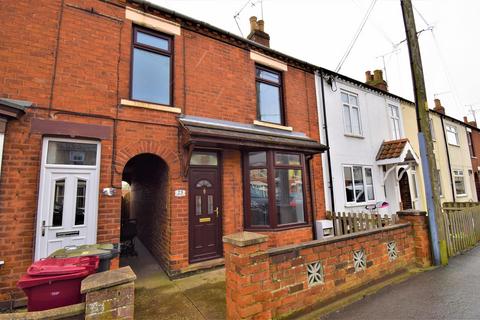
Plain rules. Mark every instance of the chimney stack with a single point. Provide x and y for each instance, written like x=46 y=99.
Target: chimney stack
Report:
x=257 y=32
x=472 y=123
x=376 y=80
x=438 y=106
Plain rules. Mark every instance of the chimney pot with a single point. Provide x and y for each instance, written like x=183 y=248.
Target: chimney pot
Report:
x=368 y=75
x=260 y=25
x=378 y=75
x=253 y=24
x=465 y=119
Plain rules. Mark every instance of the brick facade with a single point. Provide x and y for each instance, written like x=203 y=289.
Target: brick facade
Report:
x=72 y=60
x=265 y=283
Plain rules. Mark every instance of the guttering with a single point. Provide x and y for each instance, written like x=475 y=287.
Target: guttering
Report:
x=452 y=184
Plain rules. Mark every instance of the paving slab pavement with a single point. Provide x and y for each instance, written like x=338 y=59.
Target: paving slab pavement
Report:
x=451 y=292
x=198 y=297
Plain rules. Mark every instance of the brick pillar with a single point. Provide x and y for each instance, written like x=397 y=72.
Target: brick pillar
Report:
x=109 y=294
x=247 y=276
x=421 y=235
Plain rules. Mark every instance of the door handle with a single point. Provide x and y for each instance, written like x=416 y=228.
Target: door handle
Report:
x=216 y=212
x=43 y=228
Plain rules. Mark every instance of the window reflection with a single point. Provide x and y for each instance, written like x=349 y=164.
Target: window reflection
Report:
x=58 y=203
x=258 y=197
x=80 y=203
x=289 y=196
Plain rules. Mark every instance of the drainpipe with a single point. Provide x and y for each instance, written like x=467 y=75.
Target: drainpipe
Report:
x=327 y=142
x=452 y=184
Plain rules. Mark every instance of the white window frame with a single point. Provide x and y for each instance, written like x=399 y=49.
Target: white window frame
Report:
x=395 y=122
x=458 y=173
x=440 y=187
x=432 y=129
x=350 y=108
x=351 y=166
x=451 y=129
x=415 y=195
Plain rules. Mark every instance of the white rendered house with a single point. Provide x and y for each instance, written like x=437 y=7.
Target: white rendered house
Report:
x=369 y=159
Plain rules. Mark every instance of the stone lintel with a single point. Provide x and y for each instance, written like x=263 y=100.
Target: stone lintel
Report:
x=107 y=279
x=245 y=239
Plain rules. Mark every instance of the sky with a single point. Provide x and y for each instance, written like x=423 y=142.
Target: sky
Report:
x=320 y=31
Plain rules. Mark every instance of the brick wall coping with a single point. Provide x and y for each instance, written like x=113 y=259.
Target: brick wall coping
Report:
x=107 y=279
x=411 y=212
x=67 y=312
x=315 y=243
x=245 y=238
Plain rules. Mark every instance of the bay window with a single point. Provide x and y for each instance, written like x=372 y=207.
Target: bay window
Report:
x=275 y=192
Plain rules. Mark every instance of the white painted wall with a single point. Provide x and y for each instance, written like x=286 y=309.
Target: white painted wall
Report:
x=349 y=150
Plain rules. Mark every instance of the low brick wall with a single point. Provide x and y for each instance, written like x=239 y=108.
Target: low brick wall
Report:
x=108 y=295
x=265 y=283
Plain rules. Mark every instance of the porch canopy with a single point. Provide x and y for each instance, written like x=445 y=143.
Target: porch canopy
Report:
x=397 y=152
x=207 y=132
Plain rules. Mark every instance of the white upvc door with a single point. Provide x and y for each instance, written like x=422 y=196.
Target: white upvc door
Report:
x=68 y=195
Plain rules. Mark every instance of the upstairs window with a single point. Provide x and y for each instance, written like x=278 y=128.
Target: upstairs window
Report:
x=151 y=78
x=470 y=144
x=275 y=193
x=452 y=136
x=351 y=114
x=269 y=95
x=394 y=115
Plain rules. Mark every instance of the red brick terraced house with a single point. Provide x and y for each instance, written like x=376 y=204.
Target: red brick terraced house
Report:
x=209 y=134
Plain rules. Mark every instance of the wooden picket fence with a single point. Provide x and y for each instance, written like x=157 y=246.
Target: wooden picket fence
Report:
x=351 y=222
x=462 y=226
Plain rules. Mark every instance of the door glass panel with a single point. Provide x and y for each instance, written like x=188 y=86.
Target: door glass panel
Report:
x=80 y=204
x=210 y=204
x=60 y=152
x=198 y=205
x=204 y=159
x=58 y=203
x=258 y=197
x=203 y=183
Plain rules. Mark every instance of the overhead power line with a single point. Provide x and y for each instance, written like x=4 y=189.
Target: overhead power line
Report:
x=357 y=34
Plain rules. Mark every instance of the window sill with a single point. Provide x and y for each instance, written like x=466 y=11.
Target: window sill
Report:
x=454 y=145
x=282 y=228
x=151 y=106
x=354 y=136
x=461 y=196
x=361 y=204
x=272 y=125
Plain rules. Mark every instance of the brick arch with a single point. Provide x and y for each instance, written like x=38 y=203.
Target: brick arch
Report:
x=144 y=146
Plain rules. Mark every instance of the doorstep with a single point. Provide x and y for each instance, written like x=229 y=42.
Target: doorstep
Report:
x=200 y=267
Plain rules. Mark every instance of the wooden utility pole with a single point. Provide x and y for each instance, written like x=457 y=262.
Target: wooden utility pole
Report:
x=430 y=176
